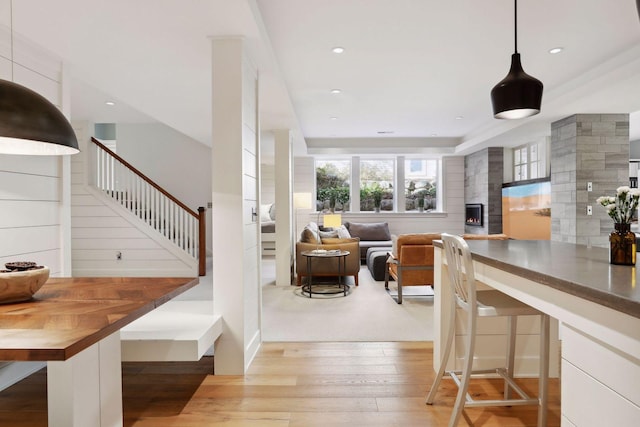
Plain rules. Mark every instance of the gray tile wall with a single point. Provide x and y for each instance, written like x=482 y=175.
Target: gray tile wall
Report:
x=586 y=148
x=483 y=175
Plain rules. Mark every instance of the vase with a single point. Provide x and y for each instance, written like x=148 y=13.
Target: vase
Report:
x=622 y=245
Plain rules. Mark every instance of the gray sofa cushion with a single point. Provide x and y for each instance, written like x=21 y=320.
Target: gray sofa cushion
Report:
x=375 y=231
x=376 y=261
x=364 y=246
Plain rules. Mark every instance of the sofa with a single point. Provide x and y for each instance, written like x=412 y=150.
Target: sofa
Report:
x=371 y=235
x=329 y=240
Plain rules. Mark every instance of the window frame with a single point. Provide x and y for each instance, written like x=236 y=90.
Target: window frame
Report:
x=399 y=191
x=533 y=169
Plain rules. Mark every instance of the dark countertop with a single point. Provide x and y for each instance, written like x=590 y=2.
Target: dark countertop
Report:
x=576 y=269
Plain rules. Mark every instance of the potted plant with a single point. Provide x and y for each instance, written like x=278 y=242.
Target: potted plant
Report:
x=342 y=196
x=377 y=193
x=621 y=208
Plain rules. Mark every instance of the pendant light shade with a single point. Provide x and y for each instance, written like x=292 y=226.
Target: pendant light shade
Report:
x=518 y=95
x=30 y=124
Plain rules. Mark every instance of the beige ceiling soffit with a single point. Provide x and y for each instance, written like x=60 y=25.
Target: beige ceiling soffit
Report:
x=434 y=145
x=561 y=101
x=299 y=146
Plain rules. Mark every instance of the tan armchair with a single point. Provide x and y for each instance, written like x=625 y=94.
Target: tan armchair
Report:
x=411 y=261
x=329 y=266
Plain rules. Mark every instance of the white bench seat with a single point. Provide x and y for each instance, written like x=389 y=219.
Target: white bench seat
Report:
x=177 y=331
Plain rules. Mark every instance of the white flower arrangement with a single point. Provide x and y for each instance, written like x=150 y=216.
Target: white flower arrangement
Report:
x=621 y=207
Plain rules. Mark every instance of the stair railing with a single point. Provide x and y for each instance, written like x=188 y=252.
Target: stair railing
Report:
x=151 y=203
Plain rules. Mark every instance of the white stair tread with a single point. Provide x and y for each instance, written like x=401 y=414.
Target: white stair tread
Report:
x=175 y=331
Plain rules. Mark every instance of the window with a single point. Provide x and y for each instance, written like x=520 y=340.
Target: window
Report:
x=529 y=161
x=380 y=184
x=420 y=184
x=376 y=185
x=520 y=163
x=332 y=184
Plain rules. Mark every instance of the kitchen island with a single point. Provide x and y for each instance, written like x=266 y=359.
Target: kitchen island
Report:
x=596 y=304
x=73 y=324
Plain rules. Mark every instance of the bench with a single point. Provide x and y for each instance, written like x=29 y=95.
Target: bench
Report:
x=177 y=331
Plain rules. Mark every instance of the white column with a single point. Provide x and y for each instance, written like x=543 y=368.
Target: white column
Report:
x=400 y=198
x=283 y=200
x=86 y=390
x=65 y=182
x=235 y=234
x=355 y=184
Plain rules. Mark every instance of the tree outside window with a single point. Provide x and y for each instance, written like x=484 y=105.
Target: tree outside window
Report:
x=420 y=184
x=376 y=185
x=332 y=184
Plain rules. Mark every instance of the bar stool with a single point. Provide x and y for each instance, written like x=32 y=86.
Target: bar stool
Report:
x=484 y=304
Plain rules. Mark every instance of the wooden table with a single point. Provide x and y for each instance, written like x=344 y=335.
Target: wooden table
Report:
x=597 y=305
x=73 y=324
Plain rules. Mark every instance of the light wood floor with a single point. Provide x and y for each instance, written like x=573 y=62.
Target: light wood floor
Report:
x=291 y=385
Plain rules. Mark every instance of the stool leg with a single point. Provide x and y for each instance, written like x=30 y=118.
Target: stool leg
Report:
x=466 y=372
x=512 y=326
x=544 y=370
x=445 y=356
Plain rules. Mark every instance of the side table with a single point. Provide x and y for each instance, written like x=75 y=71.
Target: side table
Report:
x=341 y=257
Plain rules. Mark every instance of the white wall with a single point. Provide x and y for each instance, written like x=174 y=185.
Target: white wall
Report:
x=100 y=229
x=267 y=183
x=31 y=187
x=179 y=164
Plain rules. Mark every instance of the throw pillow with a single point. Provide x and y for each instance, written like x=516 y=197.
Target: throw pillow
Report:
x=325 y=234
x=370 y=231
x=264 y=213
x=309 y=236
x=343 y=233
x=272 y=212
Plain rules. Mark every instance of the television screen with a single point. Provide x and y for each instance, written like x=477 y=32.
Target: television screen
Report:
x=526 y=210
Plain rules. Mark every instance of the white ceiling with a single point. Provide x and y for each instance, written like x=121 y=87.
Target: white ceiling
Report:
x=410 y=67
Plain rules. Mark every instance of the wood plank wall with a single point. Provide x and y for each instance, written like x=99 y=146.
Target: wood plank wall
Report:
x=31 y=187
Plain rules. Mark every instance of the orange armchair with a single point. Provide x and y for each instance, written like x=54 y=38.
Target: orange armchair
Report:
x=410 y=263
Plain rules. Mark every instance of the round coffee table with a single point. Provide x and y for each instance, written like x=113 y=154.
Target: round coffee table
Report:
x=326 y=289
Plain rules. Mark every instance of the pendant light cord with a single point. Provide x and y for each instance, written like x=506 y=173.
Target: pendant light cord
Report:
x=515 y=24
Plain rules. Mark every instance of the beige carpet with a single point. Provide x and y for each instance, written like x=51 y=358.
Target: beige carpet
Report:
x=367 y=313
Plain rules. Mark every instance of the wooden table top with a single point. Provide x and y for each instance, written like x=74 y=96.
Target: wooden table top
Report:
x=68 y=315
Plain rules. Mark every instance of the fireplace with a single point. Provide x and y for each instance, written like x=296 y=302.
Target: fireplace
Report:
x=473 y=214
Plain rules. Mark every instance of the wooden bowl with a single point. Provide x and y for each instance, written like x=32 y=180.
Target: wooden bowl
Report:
x=17 y=286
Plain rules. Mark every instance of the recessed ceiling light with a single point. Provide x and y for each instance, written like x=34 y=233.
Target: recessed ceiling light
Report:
x=556 y=50
x=337 y=49
x=336 y=91
x=459 y=117
x=333 y=118
x=385 y=132
x=110 y=103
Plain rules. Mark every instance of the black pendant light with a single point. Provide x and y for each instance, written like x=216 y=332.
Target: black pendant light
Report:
x=29 y=123
x=518 y=95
